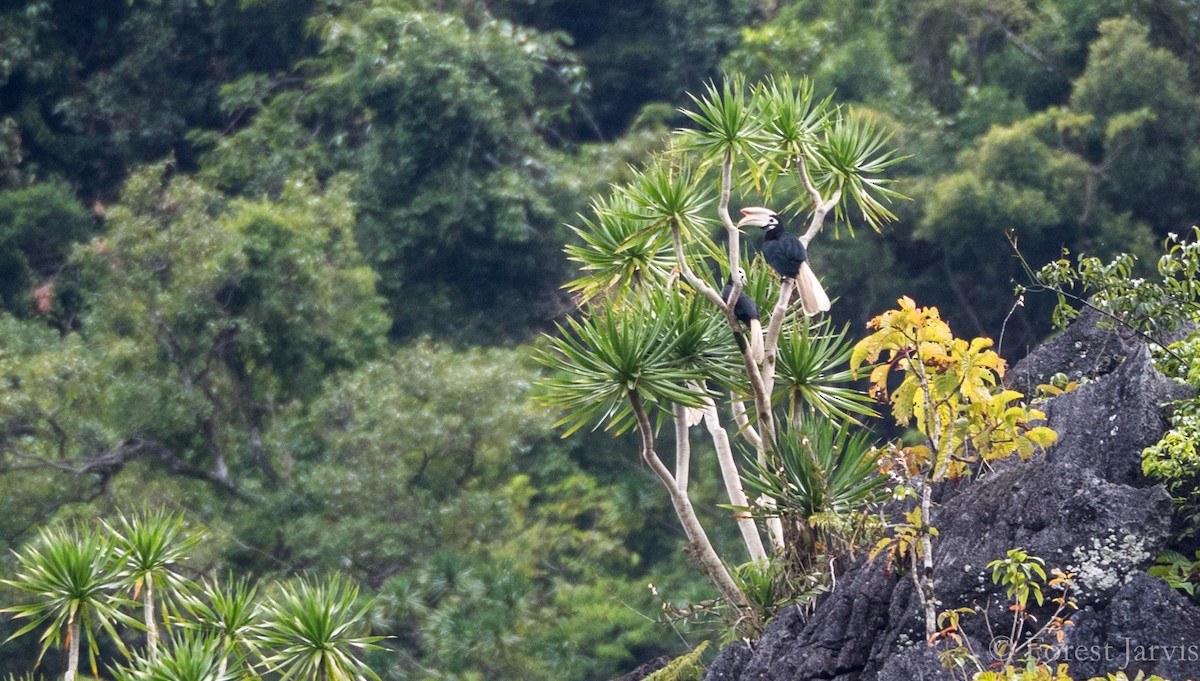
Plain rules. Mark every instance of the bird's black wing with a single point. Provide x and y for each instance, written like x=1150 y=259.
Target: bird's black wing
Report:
x=744 y=308
x=785 y=254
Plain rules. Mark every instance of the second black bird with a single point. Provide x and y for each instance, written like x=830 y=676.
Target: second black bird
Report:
x=746 y=311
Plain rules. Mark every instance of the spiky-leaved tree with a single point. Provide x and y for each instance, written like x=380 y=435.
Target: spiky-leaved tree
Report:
x=312 y=630
x=658 y=340
x=228 y=613
x=149 y=550
x=70 y=576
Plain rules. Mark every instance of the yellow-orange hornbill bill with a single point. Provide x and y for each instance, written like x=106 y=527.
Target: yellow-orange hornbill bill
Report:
x=787 y=256
x=746 y=312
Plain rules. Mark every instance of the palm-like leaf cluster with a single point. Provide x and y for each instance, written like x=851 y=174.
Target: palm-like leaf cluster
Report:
x=823 y=475
x=617 y=251
x=70 y=573
x=313 y=630
x=627 y=243
x=853 y=157
x=149 y=550
x=227 y=612
x=76 y=576
x=671 y=194
x=188 y=657
x=769 y=586
x=728 y=123
x=814 y=373
x=821 y=467
x=699 y=339
x=792 y=135
x=599 y=360
x=794 y=117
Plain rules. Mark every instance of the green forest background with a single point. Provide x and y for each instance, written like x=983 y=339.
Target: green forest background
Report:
x=279 y=265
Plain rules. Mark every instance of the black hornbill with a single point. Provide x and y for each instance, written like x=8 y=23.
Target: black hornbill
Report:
x=787 y=256
x=746 y=312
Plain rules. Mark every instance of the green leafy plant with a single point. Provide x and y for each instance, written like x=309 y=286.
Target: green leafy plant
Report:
x=306 y=630
x=772 y=584
x=228 y=613
x=71 y=573
x=1015 y=652
x=602 y=361
x=1059 y=673
x=149 y=548
x=950 y=391
x=1175 y=461
x=1179 y=571
x=1036 y=673
x=189 y=656
x=729 y=123
x=1019 y=574
x=648 y=349
x=813 y=373
x=617 y=252
x=310 y=630
x=825 y=478
x=1146 y=305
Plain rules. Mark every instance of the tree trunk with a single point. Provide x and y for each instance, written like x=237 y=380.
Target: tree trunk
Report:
x=148 y=617
x=733 y=483
x=925 y=585
x=683 y=448
x=698 y=541
x=72 y=648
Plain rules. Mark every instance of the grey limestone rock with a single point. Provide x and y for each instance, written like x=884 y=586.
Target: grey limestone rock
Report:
x=1084 y=507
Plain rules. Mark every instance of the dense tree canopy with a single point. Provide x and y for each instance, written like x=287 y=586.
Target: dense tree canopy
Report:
x=265 y=262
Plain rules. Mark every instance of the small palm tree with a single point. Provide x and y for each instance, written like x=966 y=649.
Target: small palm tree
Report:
x=624 y=361
x=814 y=374
x=310 y=631
x=71 y=573
x=228 y=614
x=149 y=548
x=190 y=657
x=823 y=474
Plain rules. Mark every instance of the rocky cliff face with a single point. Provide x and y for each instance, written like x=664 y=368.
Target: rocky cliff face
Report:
x=1085 y=507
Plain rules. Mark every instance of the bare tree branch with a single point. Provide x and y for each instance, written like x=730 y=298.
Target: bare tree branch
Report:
x=698 y=540
x=733 y=482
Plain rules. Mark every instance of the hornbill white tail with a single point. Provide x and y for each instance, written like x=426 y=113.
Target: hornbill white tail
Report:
x=788 y=257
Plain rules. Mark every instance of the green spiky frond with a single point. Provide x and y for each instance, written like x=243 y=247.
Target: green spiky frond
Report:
x=852 y=157
x=794 y=122
x=814 y=372
x=618 y=251
x=636 y=345
x=671 y=194
x=312 y=632
x=820 y=469
x=188 y=657
x=71 y=574
x=728 y=124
